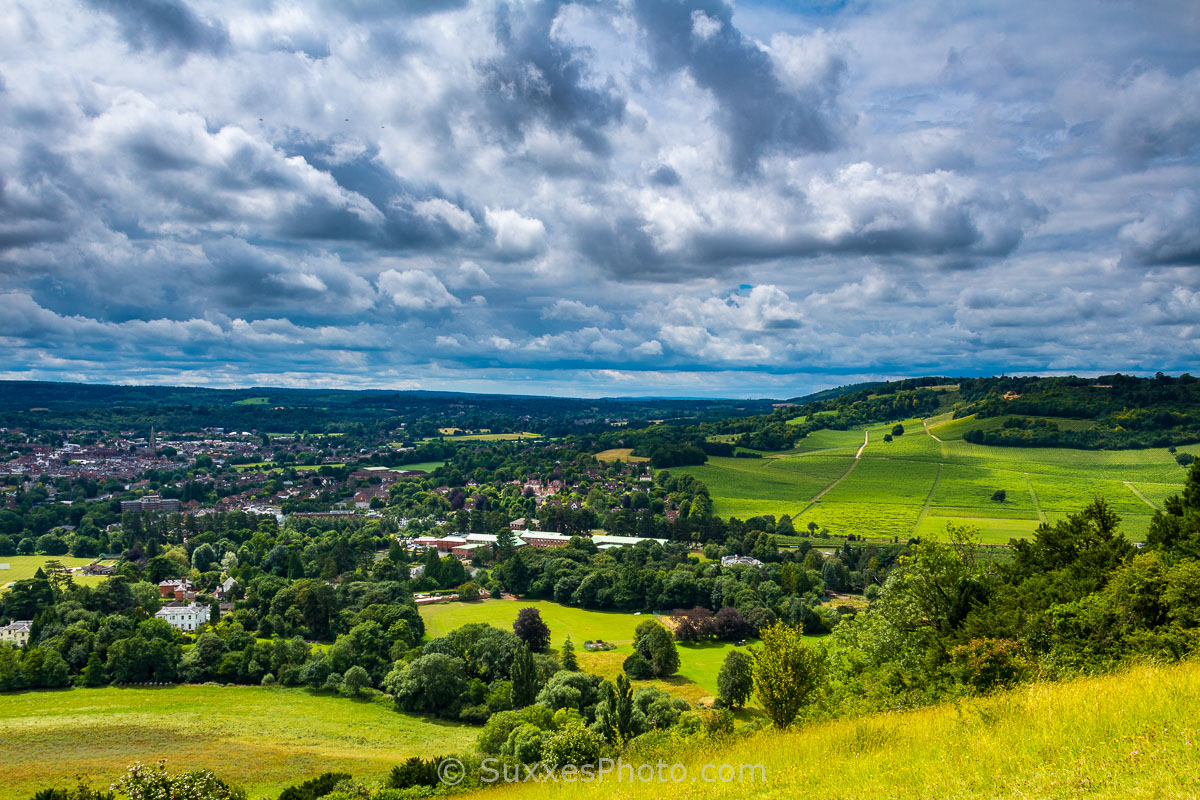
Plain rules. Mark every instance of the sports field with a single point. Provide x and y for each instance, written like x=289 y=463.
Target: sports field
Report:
x=920 y=481
x=262 y=738
x=22 y=567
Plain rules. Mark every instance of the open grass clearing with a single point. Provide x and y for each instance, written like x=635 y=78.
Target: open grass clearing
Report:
x=699 y=664
x=624 y=454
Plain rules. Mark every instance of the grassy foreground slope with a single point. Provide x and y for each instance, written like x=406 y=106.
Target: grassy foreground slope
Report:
x=262 y=738
x=1129 y=735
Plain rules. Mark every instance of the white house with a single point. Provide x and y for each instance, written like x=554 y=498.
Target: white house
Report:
x=17 y=632
x=185 y=618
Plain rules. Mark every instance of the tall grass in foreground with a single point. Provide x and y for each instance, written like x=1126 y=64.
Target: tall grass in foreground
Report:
x=1135 y=734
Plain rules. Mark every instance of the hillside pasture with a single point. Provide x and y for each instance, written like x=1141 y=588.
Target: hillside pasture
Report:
x=748 y=487
x=262 y=738
x=895 y=490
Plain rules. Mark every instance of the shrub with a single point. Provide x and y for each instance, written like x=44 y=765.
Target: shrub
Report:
x=415 y=771
x=573 y=744
x=638 y=668
x=987 y=664
x=999 y=496
x=154 y=783
x=314 y=787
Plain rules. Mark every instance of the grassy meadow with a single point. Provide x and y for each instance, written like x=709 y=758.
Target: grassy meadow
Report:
x=624 y=454
x=1128 y=735
x=262 y=738
x=696 y=681
x=928 y=477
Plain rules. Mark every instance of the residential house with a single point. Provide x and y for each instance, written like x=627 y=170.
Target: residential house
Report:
x=176 y=589
x=185 y=618
x=16 y=632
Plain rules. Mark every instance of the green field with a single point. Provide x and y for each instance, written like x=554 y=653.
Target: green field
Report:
x=699 y=664
x=423 y=466
x=22 y=567
x=486 y=437
x=915 y=484
x=269 y=466
x=262 y=738
x=1129 y=735
x=252 y=401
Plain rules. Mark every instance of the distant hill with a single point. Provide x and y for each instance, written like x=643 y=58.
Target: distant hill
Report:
x=48 y=405
x=1123 y=411
x=830 y=394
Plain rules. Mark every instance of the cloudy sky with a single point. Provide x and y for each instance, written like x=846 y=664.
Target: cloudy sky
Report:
x=667 y=197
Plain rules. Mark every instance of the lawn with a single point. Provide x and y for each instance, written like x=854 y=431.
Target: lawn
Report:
x=699 y=664
x=423 y=466
x=22 y=567
x=581 y=624
x=262 y=738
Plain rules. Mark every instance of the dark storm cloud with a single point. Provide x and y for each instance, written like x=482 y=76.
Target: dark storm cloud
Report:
x=164 y=25
x=757 y=113
x=1169 y=234
x=538 y=78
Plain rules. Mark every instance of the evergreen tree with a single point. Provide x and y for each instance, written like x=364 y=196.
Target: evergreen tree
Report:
x=524 y=677
x=569 y=661
x=506 y=543
x=214 y=612
x=295 y=568
x=516 y=575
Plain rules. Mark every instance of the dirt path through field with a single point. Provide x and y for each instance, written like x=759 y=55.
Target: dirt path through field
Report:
x=1141 y=496
x=925 y=423
x=1029 y=484
x=928 y=500
x=846 y=474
